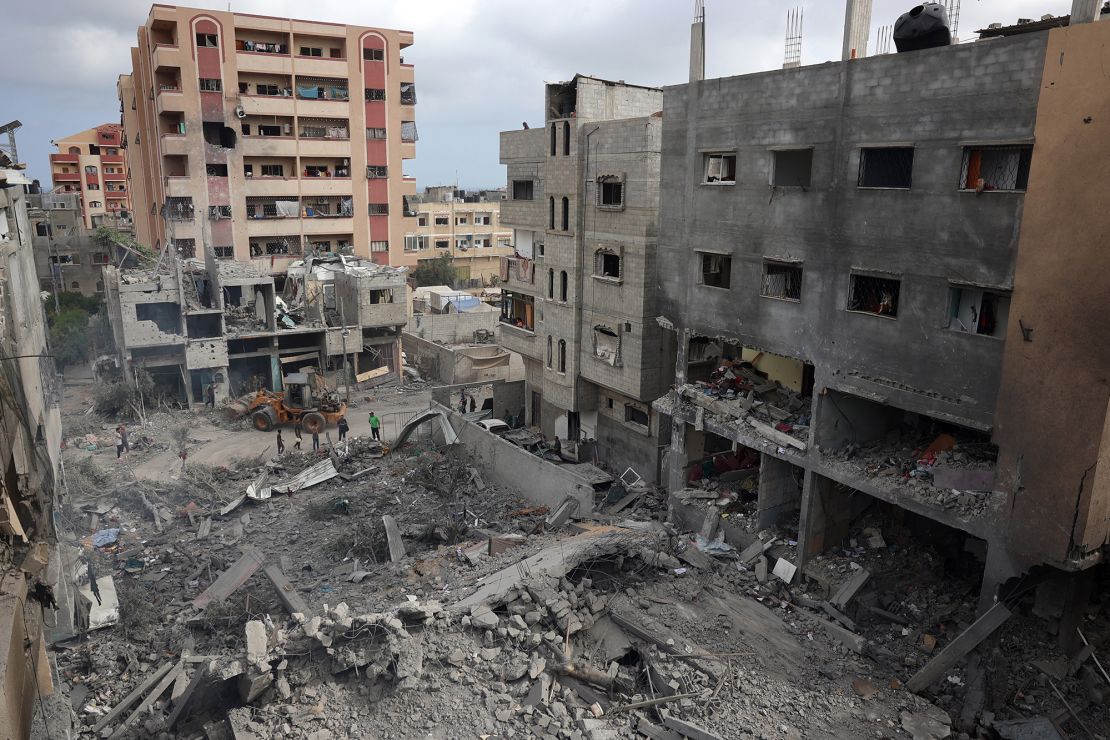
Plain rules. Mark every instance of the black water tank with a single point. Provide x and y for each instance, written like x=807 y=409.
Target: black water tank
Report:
x=924 y=27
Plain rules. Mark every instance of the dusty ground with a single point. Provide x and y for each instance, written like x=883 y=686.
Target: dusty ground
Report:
x=385 y=651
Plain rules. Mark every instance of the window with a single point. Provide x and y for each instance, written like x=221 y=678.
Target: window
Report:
x=217 y=213
x=977 y=311
x=95 y=204
x=379 y=247
x=267 y=130
x=720 y=168
x=791 y=168
x=408 y=93
x=376 y=172
x=442 y=219
x=415 y=242
x=716 y=270
x=224 y=253
x=379 y=209
x=216 y=170
x=93 y=186
x=566 y=213
x=208 y=40
x=562 y=355
x=375 y=133
x=873 y=294
x=90 y=169
x=550 y=284
x=75 y=285
x=373 y=55
x=610 y=192
x=217 y=134
x=563 y=286
x=482 y=219
x=42 y=229
x=262 y=89
x=551 y=213
x=311 y=51
x=208 y=84
x=554 y=140
x=607 y=264
x=99 y=286
x=273 y=170
x=443 y=243
x=781 y=280
x=100 y=258
x=373 y=93
x=996 y=168
x=549 y=351
x=886 y=167
x=408 y=132
x=566 y=138
x=522 y=189
x=636 y=415
x=461 y=220
x=607 y=345
x=422 y=219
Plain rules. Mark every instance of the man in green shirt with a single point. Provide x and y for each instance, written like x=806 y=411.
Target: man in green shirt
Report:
x=375 y=426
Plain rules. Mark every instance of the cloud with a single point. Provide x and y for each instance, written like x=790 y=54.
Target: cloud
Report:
x=480 y=64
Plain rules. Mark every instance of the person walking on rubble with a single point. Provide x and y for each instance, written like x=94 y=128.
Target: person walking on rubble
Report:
x=297 y=436
x=315 y=441
x=123 y=435
x=343 y=427
x=119 y=442
x=210 y=396
x=280 y=444
x=375 y=426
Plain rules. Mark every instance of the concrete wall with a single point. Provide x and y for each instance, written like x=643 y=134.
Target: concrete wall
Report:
x=358 y=292
x=504 y=464
x=452 y=328
x=935 y=100
x=1053 y=429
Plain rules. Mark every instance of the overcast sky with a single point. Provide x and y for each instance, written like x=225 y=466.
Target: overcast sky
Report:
x=480 y=64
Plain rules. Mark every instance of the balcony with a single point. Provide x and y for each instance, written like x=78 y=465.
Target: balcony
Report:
x=111 y=158
x=64 y=158
x=326 y=186
x=174 y=145
x=177 y=187
x=166 y=55
x=328 y=224
x=273 y=186
x=67 y=177
x=267 y=105
x=265 y=62
x=269 y=146
x=113 y=176
x=324 y=147
x=115 y=193
x=519 y=340
x=276 y=245
x=169 y=100
x=323 y=108
x=323 y=66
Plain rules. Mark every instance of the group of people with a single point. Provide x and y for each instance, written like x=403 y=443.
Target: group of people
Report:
x=341 y=425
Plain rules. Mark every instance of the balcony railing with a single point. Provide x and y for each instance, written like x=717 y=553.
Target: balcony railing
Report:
x=276 y=246
x=322 y=91
x=261 y=47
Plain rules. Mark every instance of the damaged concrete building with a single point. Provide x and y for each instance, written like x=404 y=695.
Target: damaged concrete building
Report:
x=190 y=324
x=863 y=265
x=579 y=300
x=30 y=438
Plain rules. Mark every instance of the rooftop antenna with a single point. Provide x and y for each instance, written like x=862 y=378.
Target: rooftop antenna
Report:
x=793 y=38
x=952 y=8
x=10 y=129
x=697 y=42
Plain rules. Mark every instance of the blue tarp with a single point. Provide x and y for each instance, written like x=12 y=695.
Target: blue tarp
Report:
x=465 y=304
x=105 y=537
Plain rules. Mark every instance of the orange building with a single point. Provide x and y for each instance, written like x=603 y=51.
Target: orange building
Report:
x=268 y=138
x=93 y=163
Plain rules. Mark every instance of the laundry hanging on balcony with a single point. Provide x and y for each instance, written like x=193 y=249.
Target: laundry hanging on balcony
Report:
x=308 y=91
x=288 y=208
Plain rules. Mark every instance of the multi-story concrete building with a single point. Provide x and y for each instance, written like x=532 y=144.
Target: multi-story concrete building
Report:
x=68 y=256
x=30 y=444
x=888 y=271
x=466 y=228
x=268 y=138
x=579 y=299
x=93 y=164
x=190 y=323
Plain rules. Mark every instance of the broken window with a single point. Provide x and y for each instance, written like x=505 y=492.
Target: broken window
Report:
x=978 y=311
x=716 y=270
x=379 y=209
x=164 y=314
x=522 y=189
x=210 y=84
x=266 y=130
x=408 y=93
x=218 y=213
x=65 y=259
x=373 y=93
x=720 y=168
x=179 y=209
x=42 y=229
x=996 y=167
x=217 y=134
x=607 y=345
x=375 y=133
x=873 y=294
x=408 y=132
x=636 y=415
x=886 y=167
x=100 y=258
x=782 y=280
x=224 y=253
x=373 y=55
x=562 y=355
x=607 y=264
x=216 y=170
x=442 y=219
x=792 y=168
x=207 y=40
x=443 y=243
x=376 y=172
x=610 y=192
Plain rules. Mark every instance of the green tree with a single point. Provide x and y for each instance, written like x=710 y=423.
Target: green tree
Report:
x=75 y=327
x=437 y=271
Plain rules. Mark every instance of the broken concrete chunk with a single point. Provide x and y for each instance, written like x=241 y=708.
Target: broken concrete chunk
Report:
x=482 y=616
x=257 y=647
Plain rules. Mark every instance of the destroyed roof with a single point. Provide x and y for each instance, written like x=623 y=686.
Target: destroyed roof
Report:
x=230 y=269
x=1043 y=24
x=622 y=83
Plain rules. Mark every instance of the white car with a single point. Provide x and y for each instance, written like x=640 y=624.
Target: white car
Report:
x=494 y=426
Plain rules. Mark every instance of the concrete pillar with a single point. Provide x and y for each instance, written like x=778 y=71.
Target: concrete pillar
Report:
x=780 y=490
x=1084 y=11
x=857 y=28
x=997 y=570
x=825 y=518
x=697 y=43
x=676 y=456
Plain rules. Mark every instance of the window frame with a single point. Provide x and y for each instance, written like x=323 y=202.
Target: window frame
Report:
x=1024 y=163
x=776 y=152
x=723 y=155
x=604 y=181
x=886 y=147
x=599 y=260
x=705 y=253
x=773 y=262
x=955 y=294
x=854 y=274
x=531 y=189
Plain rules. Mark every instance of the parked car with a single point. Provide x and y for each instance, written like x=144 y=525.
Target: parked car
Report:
x=494 y=426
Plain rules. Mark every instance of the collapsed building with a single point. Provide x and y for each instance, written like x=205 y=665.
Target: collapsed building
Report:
x=191 y=324
x=578 y=297
x=861 y=262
